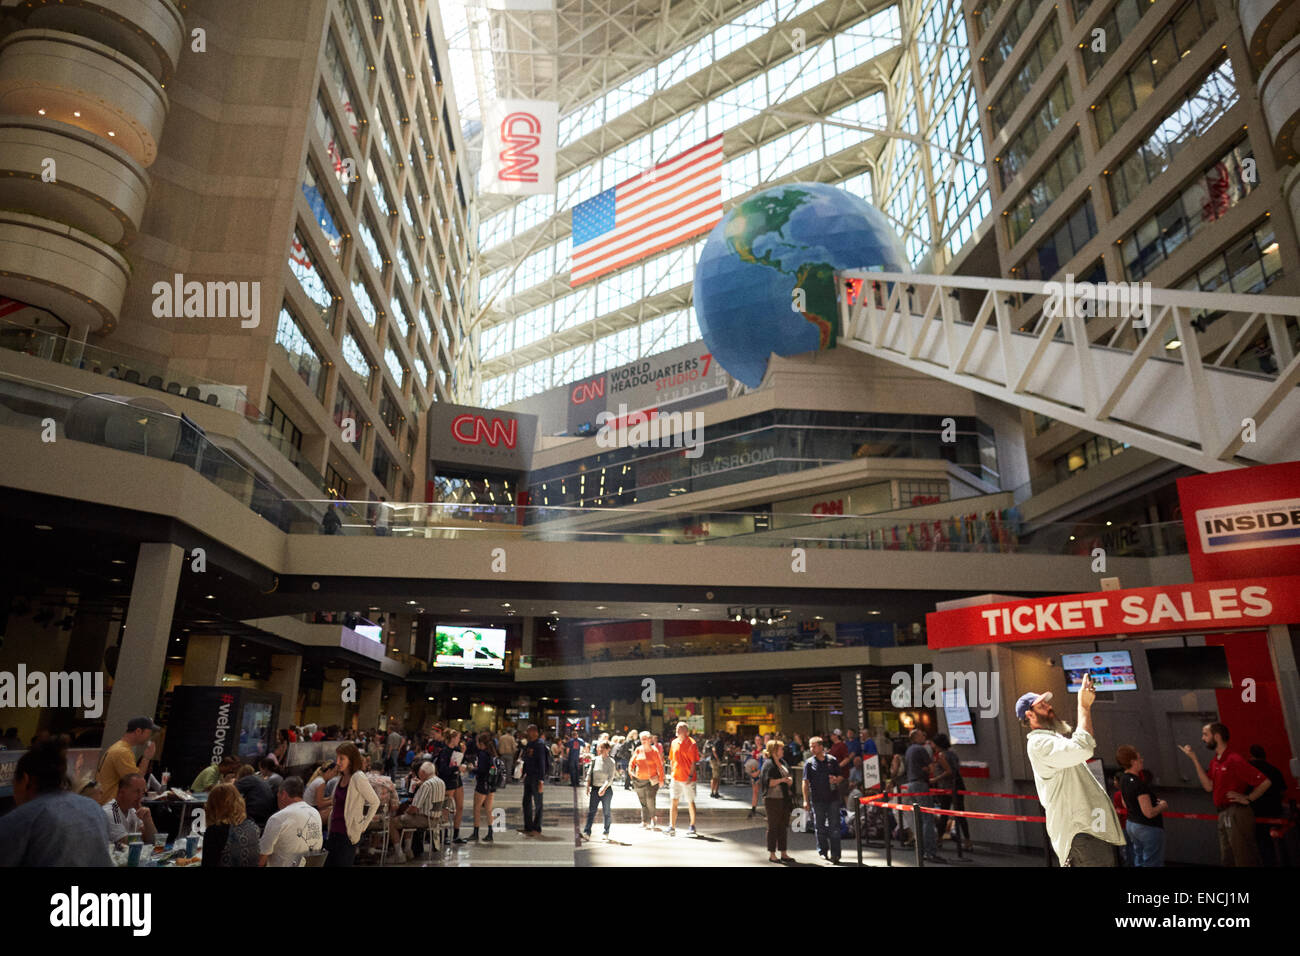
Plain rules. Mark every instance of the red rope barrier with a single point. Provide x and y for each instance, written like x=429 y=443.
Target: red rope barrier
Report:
x=974 y=815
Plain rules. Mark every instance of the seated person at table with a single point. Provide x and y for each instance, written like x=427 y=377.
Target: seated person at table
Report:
x=126 y=813
x=293 y=831
x=51 y=826
x=386 y=790
x=267 y=771
x=259 y=799
x=425 y=803
x=321 y=785
x=231 y=838
x=213 y=774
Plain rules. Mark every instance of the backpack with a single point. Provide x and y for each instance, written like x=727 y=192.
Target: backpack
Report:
x=496 y=776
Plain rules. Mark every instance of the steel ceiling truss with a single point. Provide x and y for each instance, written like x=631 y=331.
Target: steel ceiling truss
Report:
x=1187 y=404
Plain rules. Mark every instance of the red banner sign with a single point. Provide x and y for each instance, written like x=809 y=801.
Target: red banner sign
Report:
x=1204 y=606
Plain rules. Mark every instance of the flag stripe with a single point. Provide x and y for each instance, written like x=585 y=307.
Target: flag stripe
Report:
x=674 y=200
x=618 y=239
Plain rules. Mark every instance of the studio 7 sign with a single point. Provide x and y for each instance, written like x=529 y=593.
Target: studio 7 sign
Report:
x=519 y=147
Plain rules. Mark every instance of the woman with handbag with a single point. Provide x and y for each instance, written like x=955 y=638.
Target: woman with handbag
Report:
x=777 y=784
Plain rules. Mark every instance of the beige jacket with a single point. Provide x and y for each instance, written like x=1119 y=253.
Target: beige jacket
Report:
x=361 y=806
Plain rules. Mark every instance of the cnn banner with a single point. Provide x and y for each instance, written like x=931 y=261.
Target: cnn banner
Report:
x=519 y=138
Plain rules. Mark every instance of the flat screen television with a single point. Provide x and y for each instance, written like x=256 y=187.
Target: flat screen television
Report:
x=1188 y=668
x=1111 y=670
x=470 y=648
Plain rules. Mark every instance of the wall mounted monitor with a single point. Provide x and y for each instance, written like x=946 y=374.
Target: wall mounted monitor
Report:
x=1111 y=670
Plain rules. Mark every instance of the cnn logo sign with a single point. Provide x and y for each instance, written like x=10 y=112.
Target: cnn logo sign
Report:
x=477 y=430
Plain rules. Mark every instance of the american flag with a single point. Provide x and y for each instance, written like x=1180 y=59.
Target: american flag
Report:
x=672 y=201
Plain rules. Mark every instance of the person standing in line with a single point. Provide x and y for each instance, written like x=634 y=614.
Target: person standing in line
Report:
x=950 y=775
x=293 y=831
x=119 y=760
x=778 y=789
x=573 y=758
x=754 y=769
x=717 y=756
x=841 y=754
x=628 y=747
x=350 y=810
x=507 y=747
x=683 y=755
x=869 y=748
x=488 y=775
x=600 y=788
x=647 y=769
x=1082 y=824
x=1229 y=776
x=1269 y=805
x=1145 y=826
x=447 y=763
x=820 y=786
x=919 y=764
x=537 y=763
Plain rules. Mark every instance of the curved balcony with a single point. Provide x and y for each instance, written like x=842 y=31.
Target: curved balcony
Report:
x=98 y=188
x=1279 y=95
x=1267 y=26
x=83 y=83
x=151 y=32
x=79 y=278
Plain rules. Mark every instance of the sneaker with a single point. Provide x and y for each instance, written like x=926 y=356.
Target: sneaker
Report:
x=671 y=831
x=605 y=838
x=645 y=826
x=934 y=858
x=691 y=831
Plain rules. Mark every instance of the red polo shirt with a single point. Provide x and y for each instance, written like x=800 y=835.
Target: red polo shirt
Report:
x=1232 y=772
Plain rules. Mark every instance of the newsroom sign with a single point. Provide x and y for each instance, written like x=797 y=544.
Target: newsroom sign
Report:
x=682 y=377
x=480 y=437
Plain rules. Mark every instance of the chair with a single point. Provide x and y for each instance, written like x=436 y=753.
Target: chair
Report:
x=193 y=392
x=174 y=388
x=155 y=381
x=131 y=376
x=212 y=399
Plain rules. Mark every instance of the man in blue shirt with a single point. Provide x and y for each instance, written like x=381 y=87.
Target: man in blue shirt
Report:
x=821 y=777
x=537 y=761
x=854 y=745
x=918 y=762
x=868 y=743
x=51 y=826
x=573 y=758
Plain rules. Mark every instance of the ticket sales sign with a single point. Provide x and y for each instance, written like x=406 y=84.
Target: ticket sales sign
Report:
x=1201 y=606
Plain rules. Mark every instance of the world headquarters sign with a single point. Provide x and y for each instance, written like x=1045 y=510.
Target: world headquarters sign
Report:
x=480 y=437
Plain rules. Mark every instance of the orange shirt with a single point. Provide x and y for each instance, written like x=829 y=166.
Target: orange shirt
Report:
x=647 y=764
x=684 y=755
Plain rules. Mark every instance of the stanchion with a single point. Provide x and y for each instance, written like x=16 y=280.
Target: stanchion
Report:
x=916 y=835
x=857 y=823
x=889 y=836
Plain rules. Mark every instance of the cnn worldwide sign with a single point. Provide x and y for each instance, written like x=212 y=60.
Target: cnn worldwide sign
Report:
x=461 y=435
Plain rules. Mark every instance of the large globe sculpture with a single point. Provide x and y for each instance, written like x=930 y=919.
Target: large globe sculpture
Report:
x=787 y=237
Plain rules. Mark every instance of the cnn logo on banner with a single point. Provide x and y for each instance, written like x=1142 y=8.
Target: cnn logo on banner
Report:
x=519 y=147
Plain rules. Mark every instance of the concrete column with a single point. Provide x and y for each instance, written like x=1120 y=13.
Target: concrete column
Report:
x=286 y=672
x=205 y=659
x=144 y=642
x=370 y=703
x=397 y=707
x=530 y=637
x=331 y=698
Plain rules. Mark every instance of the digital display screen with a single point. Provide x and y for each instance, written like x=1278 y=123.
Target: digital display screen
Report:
x=470 y=647
x=1111 y=670
x=255 y=731
x=372 y=631
x=1188 y=668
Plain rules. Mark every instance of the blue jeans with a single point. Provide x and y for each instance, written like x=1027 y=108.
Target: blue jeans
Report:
x=826 y=819
x=1148 y=843
x=605 y=803
x=532 y=805
x=929 y=835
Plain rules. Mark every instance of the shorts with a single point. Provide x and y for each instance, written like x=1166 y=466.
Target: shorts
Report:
x=683 y=790
x=481 y=785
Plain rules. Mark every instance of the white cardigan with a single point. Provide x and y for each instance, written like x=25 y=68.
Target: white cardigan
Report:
x=360 y=807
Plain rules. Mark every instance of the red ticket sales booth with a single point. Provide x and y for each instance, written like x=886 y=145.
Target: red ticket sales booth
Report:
x=1243 y=537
